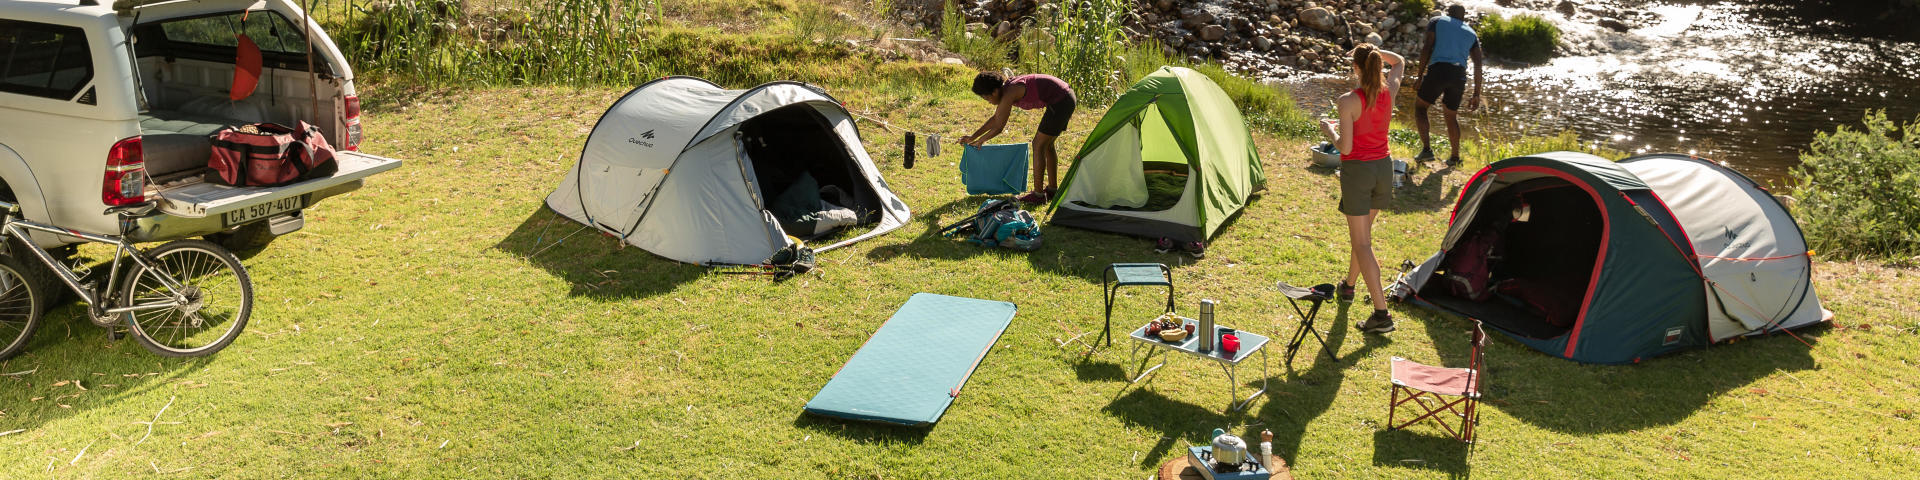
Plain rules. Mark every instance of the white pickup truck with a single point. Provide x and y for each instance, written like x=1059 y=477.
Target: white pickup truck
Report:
x=108 y=105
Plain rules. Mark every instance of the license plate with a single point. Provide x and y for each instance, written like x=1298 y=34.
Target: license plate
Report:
x=255 y=212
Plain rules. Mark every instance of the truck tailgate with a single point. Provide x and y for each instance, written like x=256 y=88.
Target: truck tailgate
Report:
x=202 y=199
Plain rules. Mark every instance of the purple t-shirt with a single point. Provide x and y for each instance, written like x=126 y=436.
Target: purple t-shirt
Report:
x=1042 y=90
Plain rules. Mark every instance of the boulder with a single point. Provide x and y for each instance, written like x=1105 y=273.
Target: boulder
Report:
x=1566 y=7
x=1374 y=38
x=1309 y=55
x=1213 y=33
x=1319 y=18
x=1615 y=25
x=1262 y=43
x=1241 y=24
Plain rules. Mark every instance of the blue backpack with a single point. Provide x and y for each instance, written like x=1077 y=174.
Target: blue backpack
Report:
x=999 y=223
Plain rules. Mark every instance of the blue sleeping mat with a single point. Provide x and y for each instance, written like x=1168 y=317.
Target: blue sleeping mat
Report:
x=994 y=169
x=909 y=372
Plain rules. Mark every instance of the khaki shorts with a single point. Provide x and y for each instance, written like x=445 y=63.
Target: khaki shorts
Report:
x=1365 y=185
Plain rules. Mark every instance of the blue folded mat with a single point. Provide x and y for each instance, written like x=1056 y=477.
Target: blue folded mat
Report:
x=911 y=369
x=994 y=169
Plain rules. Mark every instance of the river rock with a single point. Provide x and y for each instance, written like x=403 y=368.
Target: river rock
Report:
x=1002 y=29
x=1263 y=43
x=1566 y=7
x=1213 y=33
x=1374 y=38
x=1175 y=41
x=1406 y=28
x=1309 y=55
x=1196 y=18
x=1241 y=24
x=1615 y=25
x=1389 y=23
x=1319 y=18
x=1164 y=5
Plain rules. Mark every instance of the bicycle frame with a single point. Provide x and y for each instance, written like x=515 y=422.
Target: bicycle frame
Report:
x=17 y=227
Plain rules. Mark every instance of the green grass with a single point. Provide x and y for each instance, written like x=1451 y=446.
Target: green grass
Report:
x=417 y=329
x=1524 y=37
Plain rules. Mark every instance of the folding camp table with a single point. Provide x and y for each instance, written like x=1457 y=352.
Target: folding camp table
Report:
x=1295 y=295
x=1249 y=343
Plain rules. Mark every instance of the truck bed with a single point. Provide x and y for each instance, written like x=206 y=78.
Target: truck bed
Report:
x=197 y=199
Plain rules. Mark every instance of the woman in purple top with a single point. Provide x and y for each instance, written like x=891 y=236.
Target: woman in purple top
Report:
x=1028 y=92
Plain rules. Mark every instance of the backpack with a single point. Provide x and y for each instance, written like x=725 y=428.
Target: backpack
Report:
x=999 y=223
x=1467 y=266
x=269 y=155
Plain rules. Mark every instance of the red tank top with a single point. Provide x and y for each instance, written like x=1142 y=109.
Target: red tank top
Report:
x=1370 y=132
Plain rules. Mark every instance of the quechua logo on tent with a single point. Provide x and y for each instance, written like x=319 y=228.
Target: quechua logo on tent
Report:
x=646 y=135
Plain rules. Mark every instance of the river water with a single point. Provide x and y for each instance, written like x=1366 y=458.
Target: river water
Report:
x=1748 y=83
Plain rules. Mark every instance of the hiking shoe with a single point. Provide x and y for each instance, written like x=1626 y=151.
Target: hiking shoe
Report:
x=1453 y=160
x=1052 y=192
x=1034 y=197
x=1197 y=249
x=1346 y=291
x=1163 y=245
x=1426 y=153
x=1379 y=322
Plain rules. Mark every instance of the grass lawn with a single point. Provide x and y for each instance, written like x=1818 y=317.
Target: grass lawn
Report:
x=428 y=326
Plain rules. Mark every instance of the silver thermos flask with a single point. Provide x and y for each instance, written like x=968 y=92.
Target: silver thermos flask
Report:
x=1206 y=325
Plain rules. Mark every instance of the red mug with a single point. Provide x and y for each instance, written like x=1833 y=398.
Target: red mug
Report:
x=1229 y=345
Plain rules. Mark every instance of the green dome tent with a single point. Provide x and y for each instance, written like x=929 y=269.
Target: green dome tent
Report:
x=1172 y=158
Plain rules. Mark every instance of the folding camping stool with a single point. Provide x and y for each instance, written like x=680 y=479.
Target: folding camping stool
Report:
x=1295 y=295
x=1133 y=274
x=1423 y=383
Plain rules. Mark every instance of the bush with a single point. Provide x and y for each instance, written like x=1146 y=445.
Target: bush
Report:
x=1858 y=191
x=1413 y=11
x=1527 y=38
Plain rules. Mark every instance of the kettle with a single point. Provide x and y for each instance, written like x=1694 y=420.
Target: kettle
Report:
x=1228 y=450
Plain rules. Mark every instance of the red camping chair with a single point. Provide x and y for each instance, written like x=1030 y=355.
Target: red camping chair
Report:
x=1436 y=390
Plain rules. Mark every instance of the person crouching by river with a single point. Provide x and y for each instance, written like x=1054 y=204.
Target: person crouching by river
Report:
x=1028 y=92
x=1366 y=169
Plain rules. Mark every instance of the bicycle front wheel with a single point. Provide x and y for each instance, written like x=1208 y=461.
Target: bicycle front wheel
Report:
x=21 y=306
x=192 y=301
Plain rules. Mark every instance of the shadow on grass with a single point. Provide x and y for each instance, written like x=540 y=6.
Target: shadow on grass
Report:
x=1065 y=251
x=1415 y=449
x=594 y=263
x=1175 y=420
x=1303 y=395
x=862 y=432
x=70 y=367
x=1570 y=397
x=1429 y=194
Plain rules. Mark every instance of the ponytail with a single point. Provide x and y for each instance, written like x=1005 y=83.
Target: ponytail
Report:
x=1367 y=63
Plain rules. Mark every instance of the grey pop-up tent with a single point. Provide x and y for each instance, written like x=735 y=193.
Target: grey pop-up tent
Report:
x=1604 y=262
x=694 y=172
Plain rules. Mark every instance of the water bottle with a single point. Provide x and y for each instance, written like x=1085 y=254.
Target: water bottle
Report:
x=1206 y=326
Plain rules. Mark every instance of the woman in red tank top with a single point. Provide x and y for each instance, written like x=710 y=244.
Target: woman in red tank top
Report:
x=1366 y=169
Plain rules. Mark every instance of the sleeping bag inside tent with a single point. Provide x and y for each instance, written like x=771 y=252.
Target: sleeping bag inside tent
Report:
x=697 y=173
x=1590 y=260
x=1172 y=158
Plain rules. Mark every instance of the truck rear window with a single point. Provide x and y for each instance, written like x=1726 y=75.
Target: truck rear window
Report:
x=270 y=31
x=214 y=37
x=43 y=60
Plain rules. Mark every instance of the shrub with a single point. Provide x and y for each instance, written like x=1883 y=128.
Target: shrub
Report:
x=1858 y=191
x=1413 y=11
x=1527 y=38
x=980 y=48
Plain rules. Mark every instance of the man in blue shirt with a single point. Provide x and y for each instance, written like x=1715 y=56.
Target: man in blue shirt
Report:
x=1450 y=43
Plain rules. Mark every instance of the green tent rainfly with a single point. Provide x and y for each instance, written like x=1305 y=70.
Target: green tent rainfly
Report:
x=1172 y=158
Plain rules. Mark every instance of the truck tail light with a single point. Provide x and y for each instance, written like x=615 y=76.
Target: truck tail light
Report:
x=125 y=181
x=353 y=122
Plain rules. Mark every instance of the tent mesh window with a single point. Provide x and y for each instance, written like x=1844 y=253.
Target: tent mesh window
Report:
x=1540 y=269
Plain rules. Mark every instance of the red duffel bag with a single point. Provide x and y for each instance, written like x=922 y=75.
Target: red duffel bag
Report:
x=267 y=155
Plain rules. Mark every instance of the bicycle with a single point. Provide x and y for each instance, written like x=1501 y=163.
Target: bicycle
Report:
x=185 y=298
